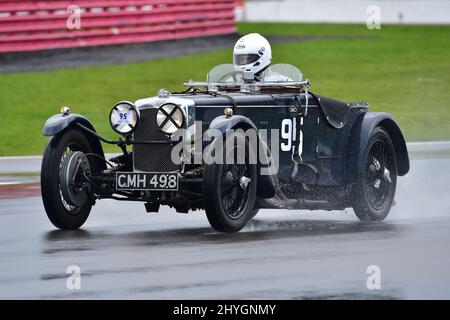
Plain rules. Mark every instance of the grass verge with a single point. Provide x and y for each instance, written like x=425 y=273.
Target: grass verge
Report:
x=403 y=70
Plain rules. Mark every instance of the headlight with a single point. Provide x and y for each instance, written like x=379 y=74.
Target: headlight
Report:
x=124 y=117
x=169 y=118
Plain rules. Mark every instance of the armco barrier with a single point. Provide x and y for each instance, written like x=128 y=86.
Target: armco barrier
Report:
x=39 y=25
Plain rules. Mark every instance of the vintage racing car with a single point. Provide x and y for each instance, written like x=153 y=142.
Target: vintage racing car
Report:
x=229 y=146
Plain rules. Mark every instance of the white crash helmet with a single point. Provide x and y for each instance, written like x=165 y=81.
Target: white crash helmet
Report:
x=252 y=53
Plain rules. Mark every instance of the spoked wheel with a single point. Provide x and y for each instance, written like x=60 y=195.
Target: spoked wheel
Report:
x=374 y=193
x=65 y=191
x=234 y=188
x=230 y=191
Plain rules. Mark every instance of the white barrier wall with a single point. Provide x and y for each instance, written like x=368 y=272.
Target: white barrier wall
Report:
x=347 y=11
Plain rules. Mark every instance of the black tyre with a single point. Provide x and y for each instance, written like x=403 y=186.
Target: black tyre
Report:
x=374 y=192
x=229 y=191
x=59 y=209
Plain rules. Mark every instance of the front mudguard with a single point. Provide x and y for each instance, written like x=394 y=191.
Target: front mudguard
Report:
x=358 y=141
x=224 y=123
x=266 y=183
x=58 y=123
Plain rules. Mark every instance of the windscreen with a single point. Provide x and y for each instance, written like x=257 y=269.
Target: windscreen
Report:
x=286 y=71
x=226 y=73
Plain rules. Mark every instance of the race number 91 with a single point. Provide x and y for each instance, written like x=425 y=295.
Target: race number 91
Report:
x=288 y=135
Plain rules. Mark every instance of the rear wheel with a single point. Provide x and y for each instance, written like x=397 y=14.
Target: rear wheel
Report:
x=229 y=191
x=375 y=190
x=65 y=194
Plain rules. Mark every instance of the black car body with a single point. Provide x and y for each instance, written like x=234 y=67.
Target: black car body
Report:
x=332 y=155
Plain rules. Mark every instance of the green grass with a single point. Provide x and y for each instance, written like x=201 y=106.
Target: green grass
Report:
x=403 y=70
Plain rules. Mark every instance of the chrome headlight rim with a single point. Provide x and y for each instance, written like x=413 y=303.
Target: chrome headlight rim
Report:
x=132 y=126
x=172 y=120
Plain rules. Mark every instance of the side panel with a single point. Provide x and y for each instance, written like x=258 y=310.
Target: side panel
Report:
x=332 y=149
x=278 y=116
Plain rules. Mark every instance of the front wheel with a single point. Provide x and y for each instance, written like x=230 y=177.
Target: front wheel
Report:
x=373 y=194
x=229 y=190
x=65 y=193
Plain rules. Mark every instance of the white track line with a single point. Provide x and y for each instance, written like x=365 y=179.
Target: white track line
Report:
x=110 y=155
x=6 y=158
x=9 y=183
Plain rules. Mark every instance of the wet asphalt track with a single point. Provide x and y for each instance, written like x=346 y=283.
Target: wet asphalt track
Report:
x=124 y=252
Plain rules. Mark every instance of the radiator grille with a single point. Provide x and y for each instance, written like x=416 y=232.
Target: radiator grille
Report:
x=152 y=157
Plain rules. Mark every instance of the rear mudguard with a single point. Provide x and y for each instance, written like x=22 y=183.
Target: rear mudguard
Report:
x=359 y=137
x=57 y=124
x=266 y=183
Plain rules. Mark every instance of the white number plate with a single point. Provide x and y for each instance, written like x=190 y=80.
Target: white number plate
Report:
x=147 y=181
